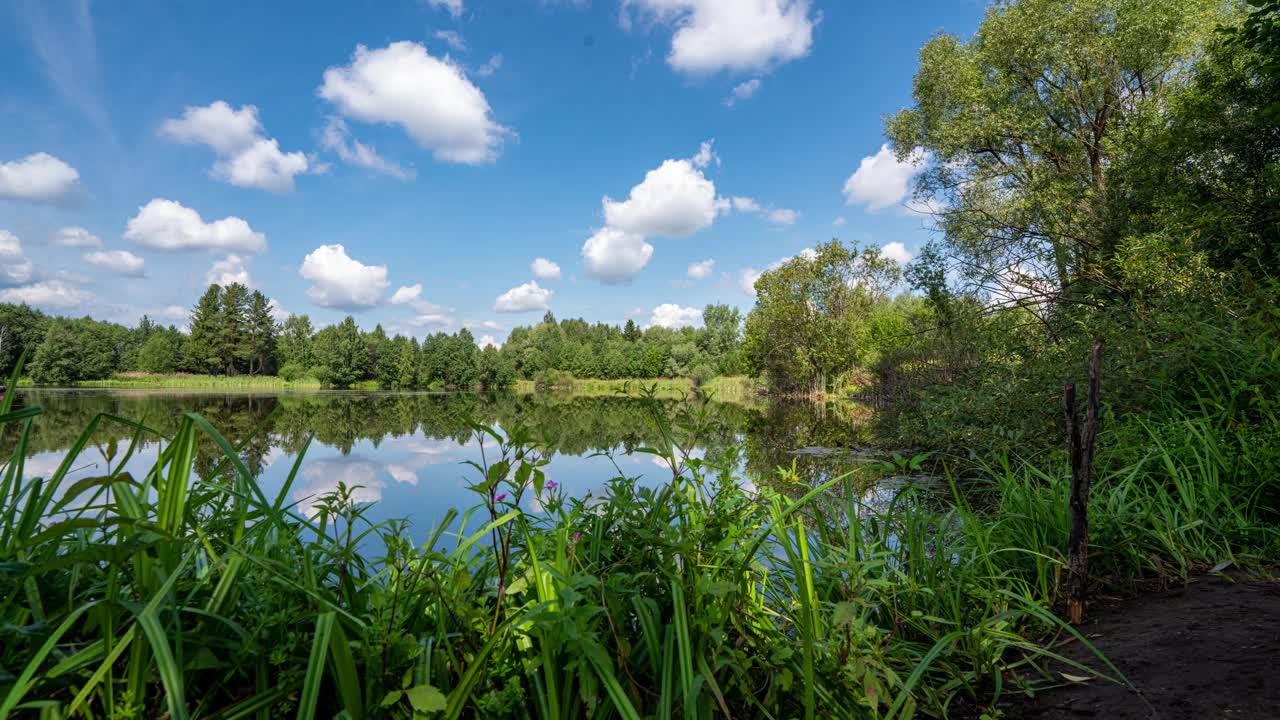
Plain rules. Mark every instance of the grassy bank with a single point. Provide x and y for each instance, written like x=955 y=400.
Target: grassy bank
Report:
x=211 y=382
x=170 y=594
x=664 y=388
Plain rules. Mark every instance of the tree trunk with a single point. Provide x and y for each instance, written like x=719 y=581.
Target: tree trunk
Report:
x=1080 y=441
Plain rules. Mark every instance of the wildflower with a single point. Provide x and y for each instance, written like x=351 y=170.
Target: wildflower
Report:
x=576 y=537
x=551 y=485
x=500 y=497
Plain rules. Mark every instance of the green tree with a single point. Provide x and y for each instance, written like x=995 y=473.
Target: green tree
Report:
x=203 y=350
x=295 y=345
x=407 y=366
x=1020 y=127
x=161 y=353
x=260 y=335
x=233 y=335
x=22 y=329
x=342 y=353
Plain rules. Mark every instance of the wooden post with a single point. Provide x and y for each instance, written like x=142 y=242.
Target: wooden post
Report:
x=1080 y=441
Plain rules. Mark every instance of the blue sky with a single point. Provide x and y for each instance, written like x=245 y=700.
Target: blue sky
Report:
x=445 y=145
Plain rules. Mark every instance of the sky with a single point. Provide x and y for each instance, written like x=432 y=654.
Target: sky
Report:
x=437 y=164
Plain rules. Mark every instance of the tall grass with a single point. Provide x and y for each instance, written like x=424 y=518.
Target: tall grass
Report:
x=213 y=382
x=184 y=596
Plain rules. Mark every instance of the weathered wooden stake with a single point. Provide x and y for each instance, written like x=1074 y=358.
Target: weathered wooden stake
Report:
x=1080 y=441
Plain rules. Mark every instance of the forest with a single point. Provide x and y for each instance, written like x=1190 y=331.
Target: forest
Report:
x=232 y=333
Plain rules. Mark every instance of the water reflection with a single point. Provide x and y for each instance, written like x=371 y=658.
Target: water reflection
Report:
x=405 y=451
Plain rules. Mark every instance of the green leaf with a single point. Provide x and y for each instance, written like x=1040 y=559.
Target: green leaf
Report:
x=426 y=698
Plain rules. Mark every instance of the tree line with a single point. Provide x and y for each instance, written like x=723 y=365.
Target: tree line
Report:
x=233 y=332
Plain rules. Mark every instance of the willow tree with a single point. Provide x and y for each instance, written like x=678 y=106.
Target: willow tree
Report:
x=1019 y=127
x=802 y=333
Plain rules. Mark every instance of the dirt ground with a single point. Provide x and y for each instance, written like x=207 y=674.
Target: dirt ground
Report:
x=1211 y=650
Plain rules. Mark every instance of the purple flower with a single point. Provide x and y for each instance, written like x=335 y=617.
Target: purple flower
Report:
x=500 y=497
x=576 y=537
x=551 y=485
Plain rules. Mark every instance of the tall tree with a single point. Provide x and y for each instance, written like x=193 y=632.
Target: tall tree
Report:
x=233 y=345
x=296 y=342
x=260 y=334
x=203 y=350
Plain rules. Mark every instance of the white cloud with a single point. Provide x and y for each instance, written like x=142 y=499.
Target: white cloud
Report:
x=896 y=252
x=544 y=269
x=670 y=315
x=452 y=39
x=701 y=270
x=168 y=225
x=48 y=293
x=40 y=176
x=747 y=280
x=746 y=204
x=339 y=281
x=322 y=477
x=732 y=35
x=613 y=256
x=744 y=90
x=76 y=237
x=482 y=325
x=523 y=298
x=246 y=157
x=406 y=294
x=453 y=6
x=705 y=155
x=488 y=341
x=783 y=216
x=230 y=269
x=336 y=138
x=882 y=181
x=117 y=261
x=491 y=66
x=838 y=222
x=431 y=98
x=14 y=268
x=432 y=319
x=675 y=200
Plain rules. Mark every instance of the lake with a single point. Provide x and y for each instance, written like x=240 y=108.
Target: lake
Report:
x=406 y=451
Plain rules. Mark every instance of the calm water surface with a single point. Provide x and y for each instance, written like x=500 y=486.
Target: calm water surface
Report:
x=406 y=451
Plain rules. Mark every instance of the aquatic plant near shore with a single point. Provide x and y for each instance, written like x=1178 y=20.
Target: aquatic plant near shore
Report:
x=204 y=597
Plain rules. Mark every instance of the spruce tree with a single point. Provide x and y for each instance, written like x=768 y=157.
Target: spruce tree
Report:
x=233 y=345
x=261 y=336
x=203 y=350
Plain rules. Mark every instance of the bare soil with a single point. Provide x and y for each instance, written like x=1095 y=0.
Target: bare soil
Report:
x=1209 y=650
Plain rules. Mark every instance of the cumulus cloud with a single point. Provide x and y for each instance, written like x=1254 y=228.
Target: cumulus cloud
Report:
x=15 y=269
x=743 y=91
x=339 y=281
x=747 y=278
x=76 y=237
x=783 y=216
x=488 y=341
x=896 y=252
x=544 y=269
x=670 y=315
x=746 y=204
x=48 y=293
x=675 y=200
x=337 y=139
x=246 y=157
x=482 y=325
x=614 y=257
x=38 y=177
x=731 y=35
x=230 y=269
x=523 y=298
x=701 y=270
x=429 y=97
x=122 y=262
x=881 y=180
x=406 y=294
x=168 y=225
